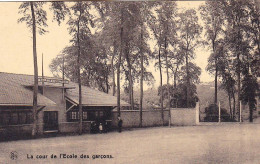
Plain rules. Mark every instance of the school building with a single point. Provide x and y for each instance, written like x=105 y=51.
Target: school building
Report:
x=57 y=105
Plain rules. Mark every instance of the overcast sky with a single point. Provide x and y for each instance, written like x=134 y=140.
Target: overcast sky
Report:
x=16 y=43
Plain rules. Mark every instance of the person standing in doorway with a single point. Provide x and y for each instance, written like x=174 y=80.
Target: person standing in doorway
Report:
x=120 y=124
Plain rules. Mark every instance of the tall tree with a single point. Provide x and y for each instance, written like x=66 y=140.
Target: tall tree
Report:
x=190 y=31
x=79 y=28
x=213 y=18
x=249 y=92
x=35 y=18
x=157 y=33
x=236 y=14
x=143 y=53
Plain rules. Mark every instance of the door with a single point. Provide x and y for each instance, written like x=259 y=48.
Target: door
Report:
x=50 y=120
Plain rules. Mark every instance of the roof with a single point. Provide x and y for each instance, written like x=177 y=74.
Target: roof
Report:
x=92 y=97
x=13 y=91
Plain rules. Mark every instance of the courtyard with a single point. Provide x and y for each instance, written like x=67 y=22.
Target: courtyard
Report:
x=224 y=143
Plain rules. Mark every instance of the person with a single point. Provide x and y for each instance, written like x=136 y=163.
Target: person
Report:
x=120 y=124
x=105 y=127
x=92 y=127
x=100 y=128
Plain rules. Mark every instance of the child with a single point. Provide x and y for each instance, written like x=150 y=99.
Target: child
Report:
x=100 y=128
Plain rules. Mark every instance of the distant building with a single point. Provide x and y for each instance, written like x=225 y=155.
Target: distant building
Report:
x=57 y=105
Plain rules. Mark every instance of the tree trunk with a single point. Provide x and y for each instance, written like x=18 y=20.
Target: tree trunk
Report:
x=130 y=78
x=161 y=97
x=216 y=84
x=238 y=86
x=118 y=66
x=234 y=103
x=79 y=79
x=216 y=72
x=113 y=72
x=175 y=85
x=141 y=80
x=35 y=89
x=167 y=77
x=250 y=111
x=229 y=103
x=107 y=82
x=188 y=81
x=175 y=78
x=167 y=72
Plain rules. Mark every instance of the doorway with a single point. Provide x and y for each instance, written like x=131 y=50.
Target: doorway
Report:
x=50 y=119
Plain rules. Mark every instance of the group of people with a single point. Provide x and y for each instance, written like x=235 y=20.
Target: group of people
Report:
x=99 y=127
x=104 y=126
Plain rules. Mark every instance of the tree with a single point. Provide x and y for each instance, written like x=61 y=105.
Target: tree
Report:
x=79 y=28
x=240 y=39
x=144 y=50
x=35 y=18
x=194 y=74
x=177 y=95
x=190 y=31
x=168 y=13
x=212 y=114
x=249 y=92
x=235 y=15
x=213 y=18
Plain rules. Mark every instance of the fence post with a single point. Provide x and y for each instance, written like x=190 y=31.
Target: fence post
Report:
x=170 y=117
x=197 y=113
x=240 y=119
x=219 y=112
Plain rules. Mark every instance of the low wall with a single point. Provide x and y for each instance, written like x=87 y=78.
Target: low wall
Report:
x=73 y=127
x=131 y=118
x=185 y=116
x=15 y=130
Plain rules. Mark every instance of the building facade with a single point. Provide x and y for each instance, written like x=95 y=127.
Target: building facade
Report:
x=57 y=105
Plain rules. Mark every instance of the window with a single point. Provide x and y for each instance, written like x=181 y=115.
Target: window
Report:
x=101 y=114
x=74 y=115
x=15 y=118
x=29 y=117
x=6 y=118
x=92 y=116
x=85 y=115
x=22 y=118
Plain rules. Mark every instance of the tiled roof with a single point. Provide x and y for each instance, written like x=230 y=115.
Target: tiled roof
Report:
x=13 y=91
x=91 y=97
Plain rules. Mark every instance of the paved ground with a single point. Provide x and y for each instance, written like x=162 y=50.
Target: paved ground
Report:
x=226 y=143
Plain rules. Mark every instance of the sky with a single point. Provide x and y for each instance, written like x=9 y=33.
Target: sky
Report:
x=16 y=43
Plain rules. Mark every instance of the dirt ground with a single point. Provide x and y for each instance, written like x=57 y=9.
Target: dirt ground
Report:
x=225 y=143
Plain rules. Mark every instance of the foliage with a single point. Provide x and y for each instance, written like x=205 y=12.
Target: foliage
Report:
x=249 y=90
x=212 y=114
x=178 y=95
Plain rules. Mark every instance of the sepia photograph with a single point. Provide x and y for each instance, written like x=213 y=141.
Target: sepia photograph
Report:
x=130 y=82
